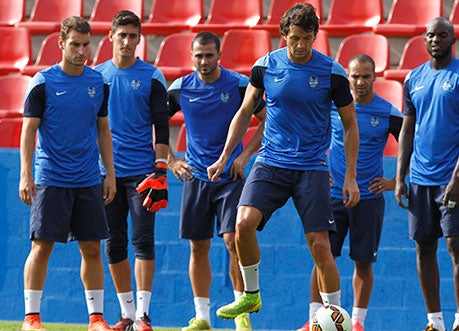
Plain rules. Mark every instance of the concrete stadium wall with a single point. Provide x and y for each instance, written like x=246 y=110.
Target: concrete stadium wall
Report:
x=284 y=272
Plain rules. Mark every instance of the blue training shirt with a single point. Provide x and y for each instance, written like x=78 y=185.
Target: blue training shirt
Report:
x=66 y=154
x=298 y=106
x=208 y=109
x=433 y=97
x=376 y=120
x=135 y=94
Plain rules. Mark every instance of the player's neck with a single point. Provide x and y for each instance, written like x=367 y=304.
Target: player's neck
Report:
x=124 y=62
x=364 y=100
x=70 y=69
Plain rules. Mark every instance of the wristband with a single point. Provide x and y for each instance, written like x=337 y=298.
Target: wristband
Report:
x=161 y=160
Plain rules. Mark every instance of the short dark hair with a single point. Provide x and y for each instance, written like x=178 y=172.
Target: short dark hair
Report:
x=76 y=23
x=205 y=37
x=302 y=15
x=362 y=58
x=126 y=17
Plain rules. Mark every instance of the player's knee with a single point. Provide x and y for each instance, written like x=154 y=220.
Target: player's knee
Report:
x=145 y=251
x=115 y=254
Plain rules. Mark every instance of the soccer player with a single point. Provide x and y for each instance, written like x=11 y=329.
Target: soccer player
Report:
x=376 y=118
x=209 y=98
x=300 y=85
x=138 y=99
x=66 y=105
x=429 y=152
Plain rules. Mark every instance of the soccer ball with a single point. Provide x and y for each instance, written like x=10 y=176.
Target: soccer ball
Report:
x=331 y=318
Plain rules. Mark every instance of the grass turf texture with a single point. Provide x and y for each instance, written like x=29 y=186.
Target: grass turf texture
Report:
x=16 y=326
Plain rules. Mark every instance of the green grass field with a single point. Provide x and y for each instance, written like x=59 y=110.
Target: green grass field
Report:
x=16 y=326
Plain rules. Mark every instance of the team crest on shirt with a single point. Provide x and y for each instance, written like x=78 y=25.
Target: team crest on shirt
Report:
x=91 y=91
x=135 y=84
x=224 y=97
x=374 y=122
x=447 y=86
x=313 y=82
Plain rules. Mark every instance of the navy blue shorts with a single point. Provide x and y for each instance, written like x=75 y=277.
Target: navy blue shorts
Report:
x=203 y=201
x=268 y=188
x=126 y=201
x=428 y=218
x=68 y=214
x=364 y=223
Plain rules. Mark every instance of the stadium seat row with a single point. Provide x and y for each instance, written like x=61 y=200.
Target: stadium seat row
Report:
x=406 y=17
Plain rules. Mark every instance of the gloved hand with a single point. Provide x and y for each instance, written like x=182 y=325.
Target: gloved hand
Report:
x=155 y=188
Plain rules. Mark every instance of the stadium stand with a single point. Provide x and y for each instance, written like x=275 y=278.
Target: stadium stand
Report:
x=173 y=57
x=375 y=45
x=173 y=16
x=12 y=12
x=234 y=14
x=12 y=92
x=47 y=15
x=352 y=16
x=16 y=50
x=409 y=17
x=241 y=48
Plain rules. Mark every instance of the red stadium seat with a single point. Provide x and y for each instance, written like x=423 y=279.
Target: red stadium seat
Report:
x=409 y=17
x=177 y=119
x=414 y=53
x=16 y=50
x=172 y=16
x=321 y=44
x=352 y=16
x=11 y=132
x=454 y=17
x=241 y=48
x=376 y=46
x=47 y=15
x=104 y=50
x=390 y=90
x=103 y=12
x=174 y=57
x=181 y=139
x=391 y=148
x=12 y=93
x=12 y=12
x=234 y=14
x=277 y=8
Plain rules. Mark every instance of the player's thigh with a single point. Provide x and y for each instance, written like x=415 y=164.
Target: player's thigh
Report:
x=225 y=197
x=341 y=216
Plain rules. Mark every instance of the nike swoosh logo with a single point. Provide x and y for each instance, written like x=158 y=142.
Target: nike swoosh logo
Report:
x=60 y=93
x=194 y=99
x=331 y=221
x=417 y=88
x=277 y=80
x=91 y=298
x=130 y=301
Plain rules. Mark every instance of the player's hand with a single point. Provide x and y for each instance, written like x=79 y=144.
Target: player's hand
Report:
x=380 y=184
x=109 y=188
x=401 y=192
x=237 y=168
x=214 y=171
x=351 y=192
x=181 y=170
x=27 y=189
x=154 y=187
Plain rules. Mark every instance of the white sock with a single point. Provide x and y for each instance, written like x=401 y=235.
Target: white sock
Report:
x=237 y=294
x=250 y=277
x=202 y=308
x=359 y=314
x=127 y=304
x=95 y=301
x=436 y=319
x=313 y=307
x=143 y=303
x=456 y=320
x=32 y=301
x=333 y=298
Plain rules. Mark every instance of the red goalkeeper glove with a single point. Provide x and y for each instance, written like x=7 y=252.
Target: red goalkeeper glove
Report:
x=155 y=188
